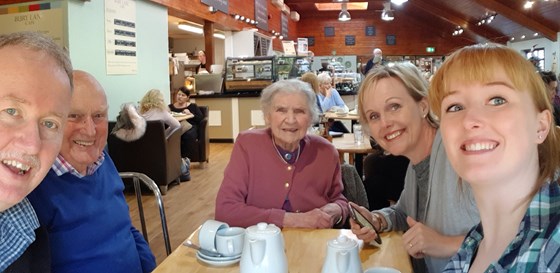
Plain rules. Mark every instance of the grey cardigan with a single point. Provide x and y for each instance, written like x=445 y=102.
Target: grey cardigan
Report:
x=450 y=207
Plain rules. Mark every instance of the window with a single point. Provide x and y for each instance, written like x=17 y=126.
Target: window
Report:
x=537 y=53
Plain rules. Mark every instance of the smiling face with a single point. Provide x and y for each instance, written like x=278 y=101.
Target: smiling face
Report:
x=288 y=118
x=396 y=121
x=85 y=135
x=491 y=130
x=33 y=112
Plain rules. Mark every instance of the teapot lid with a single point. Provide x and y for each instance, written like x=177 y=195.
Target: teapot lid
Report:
x=263 y=228
x=342 y=242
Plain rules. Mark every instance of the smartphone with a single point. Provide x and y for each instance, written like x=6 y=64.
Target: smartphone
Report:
x=364 y=222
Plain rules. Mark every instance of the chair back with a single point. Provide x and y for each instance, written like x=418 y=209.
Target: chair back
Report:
x=152 y=154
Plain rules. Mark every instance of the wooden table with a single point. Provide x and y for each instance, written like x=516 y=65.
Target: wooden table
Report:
x=346 y=144
x=180 y=118
x=305 y=249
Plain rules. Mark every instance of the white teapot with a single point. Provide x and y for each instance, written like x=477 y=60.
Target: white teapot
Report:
x=342 y=256
x=263 y=250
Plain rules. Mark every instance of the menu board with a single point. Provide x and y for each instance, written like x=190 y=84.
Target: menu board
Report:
x=221 y=5
x=349 y=40
x=284 y=26
x=47 y=18
x=261 y=14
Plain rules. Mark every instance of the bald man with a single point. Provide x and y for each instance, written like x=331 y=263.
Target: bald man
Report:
x=81 y=201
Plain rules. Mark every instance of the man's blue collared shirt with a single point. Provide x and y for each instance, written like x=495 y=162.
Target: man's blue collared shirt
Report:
x=17 y=232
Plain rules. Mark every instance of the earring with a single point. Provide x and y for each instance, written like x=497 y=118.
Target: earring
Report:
x=540 y=136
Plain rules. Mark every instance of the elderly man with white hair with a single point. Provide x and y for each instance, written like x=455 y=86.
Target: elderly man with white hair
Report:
x=377 y=60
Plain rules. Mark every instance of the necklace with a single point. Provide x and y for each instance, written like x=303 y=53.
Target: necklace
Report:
x=288 y=157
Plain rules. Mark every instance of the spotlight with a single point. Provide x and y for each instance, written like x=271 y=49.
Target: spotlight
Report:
x=212 y=9
x=344 y=15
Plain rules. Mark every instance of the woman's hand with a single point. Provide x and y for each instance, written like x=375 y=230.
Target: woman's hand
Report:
x=186 y=111
x=421 y=240
x=364 y=233
x=315 y=218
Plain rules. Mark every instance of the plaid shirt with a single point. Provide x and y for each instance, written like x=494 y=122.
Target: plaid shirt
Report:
x=536 y=247
x=17 y=232
x=61 y=166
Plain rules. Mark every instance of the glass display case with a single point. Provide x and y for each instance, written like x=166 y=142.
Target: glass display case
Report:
x=291 y=67
x=249 y=73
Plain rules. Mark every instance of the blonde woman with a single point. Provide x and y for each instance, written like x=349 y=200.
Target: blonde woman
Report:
x=498 y=131
x=153 y=107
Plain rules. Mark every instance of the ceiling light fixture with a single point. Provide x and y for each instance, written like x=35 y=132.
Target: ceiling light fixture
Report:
x=220 y=36
x=398 y=2
x=344 y=15
x=387 y=14
x=487 y=19
x=528 y=4
x=458 y=31
x=186 y=27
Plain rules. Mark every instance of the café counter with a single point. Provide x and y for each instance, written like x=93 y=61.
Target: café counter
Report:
x=233 y=112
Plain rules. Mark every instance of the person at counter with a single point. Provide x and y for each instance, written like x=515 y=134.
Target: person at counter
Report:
x=201 y=68
x=435 y=211
x=282 y=175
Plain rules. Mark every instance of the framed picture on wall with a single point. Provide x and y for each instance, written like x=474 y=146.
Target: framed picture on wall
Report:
x=370 y=31
x=349 y=40
x=390 y=39
x=311 y=40
x=329 y=31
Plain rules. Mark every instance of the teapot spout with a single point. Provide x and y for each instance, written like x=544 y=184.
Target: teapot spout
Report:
x=257 y=249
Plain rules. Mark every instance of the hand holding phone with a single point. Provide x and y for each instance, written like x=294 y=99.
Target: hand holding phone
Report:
x=364 y=222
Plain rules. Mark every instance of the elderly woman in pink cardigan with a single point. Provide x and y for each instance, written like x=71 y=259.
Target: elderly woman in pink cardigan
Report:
x=282 y=175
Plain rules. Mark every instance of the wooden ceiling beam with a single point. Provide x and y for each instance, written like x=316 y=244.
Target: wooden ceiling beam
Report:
x=455 y=19
x=519 y=18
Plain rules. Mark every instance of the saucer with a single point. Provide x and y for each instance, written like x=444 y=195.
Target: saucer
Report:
x=224 y=258
x=218 y=261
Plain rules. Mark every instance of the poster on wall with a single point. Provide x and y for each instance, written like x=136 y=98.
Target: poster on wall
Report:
x=120 y=37
x=302 y=46
x=289 y=48
x=46 y=18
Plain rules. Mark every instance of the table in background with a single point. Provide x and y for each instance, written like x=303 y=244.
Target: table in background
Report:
x=334 y=116
x=305 y=249
x=181 y=117
x=346 y=144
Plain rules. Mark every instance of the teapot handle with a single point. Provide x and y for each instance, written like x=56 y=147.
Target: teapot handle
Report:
x=342 y=261
x=257 y=249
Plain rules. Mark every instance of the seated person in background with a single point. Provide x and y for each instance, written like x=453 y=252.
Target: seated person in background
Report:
x=282 y=175
x=384 y=178
x=551 y=82
x=81 y=201
x=32 y=118
x=330 y=100
x=183 y=105
x=152 y=107
x=497 y=128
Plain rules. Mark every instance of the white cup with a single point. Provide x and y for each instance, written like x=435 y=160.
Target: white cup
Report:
x=381 y=270
x=229 y=241
x=207 y=234
x=358 y=133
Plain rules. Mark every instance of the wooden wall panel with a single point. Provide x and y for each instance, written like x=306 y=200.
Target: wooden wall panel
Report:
x=412 y=38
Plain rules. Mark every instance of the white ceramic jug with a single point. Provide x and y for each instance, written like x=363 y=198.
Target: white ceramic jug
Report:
x=263 y=250
x=342 y=256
